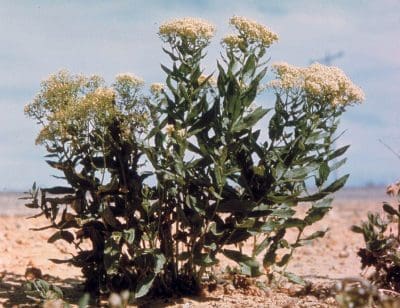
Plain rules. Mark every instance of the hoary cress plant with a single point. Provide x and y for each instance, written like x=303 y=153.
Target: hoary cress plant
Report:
x=161 y=183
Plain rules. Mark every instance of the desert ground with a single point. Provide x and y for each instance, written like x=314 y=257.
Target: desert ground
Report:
x=323 y=263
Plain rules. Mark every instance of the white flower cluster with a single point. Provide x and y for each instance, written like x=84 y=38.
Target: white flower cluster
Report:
x=170 y=130
x=332 y=81
x=129 y=79
x=319 y=81
x=232 y=40
x=191 y=28
x=250 y=30
x=157 y=88
x=289 y=76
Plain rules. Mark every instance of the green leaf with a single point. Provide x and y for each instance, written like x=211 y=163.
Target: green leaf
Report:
x=285 y=259
x=283 y=212
x=64 y=235
x=338 y=184
x=294 y=278
x=205 y=259
x=270 y=256
x=323 y=172
x=294 y=223
x=335 y=186
x=166 y=69
x=390 y=210
x=250 y=120
x=338 y=152
x=249 y=266
x=84 y=301
x=236 y=206
x=32 y=205
x=338 y=164
x=57 y=190
x=357 y=229
x=300 y=172
x=260 y=247
x=315 y=235
x=250 y=65
x=160 y=262
x=317 y=212
x=129 y=235
x=144 y=285
x=237 y=236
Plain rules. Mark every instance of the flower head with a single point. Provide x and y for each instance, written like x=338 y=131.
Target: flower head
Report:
x=157 y=88
x=318 y=80
x=232 y=41
x=129 y=79
x=288 y=76
x=253 y=31
x=331 y=82
x=190 y=28
x=169 y=129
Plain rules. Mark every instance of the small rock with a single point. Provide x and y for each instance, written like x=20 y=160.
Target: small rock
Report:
x=55 y=303
x=229 y=289
x=115 y=300
x=330 y=301
x=344 y=254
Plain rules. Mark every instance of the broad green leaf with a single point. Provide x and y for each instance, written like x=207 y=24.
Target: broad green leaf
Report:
x=338 y=152
x=323 y=172
x=390 y=210
x=129 y=235
x=316 y=213
x=338 y=184
x=144 y=285
x=250 y=120
x=205 y=259
x=232 y=206
x=315 y=235
x=357 y=229
x=262 y=246
x=270 y=257
x=160 y=262
x=64 y=235
x=283 y=212
x=84 y=301
x=294 y=223
x=294 y=278
x=57 y=190
x=285 y=259
x=338 y=164
x=249 y=266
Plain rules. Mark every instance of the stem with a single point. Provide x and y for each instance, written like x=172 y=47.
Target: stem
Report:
x=253 y=253
x=291 y=254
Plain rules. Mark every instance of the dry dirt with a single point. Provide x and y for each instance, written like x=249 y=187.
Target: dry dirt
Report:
x=323 y=263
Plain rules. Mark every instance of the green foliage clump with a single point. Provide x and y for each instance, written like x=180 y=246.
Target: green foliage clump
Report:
x=382 y=244
x=355 y=292
x=162 y=184
x=42 y=290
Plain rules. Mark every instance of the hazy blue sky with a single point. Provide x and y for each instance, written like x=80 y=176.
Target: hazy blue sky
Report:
x=108 y=37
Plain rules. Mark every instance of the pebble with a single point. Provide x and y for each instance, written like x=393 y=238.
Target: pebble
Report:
x=344 y=254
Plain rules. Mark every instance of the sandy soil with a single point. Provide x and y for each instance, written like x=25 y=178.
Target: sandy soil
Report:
x=323 y=263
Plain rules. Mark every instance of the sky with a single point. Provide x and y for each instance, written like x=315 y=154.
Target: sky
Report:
x=38 y=38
